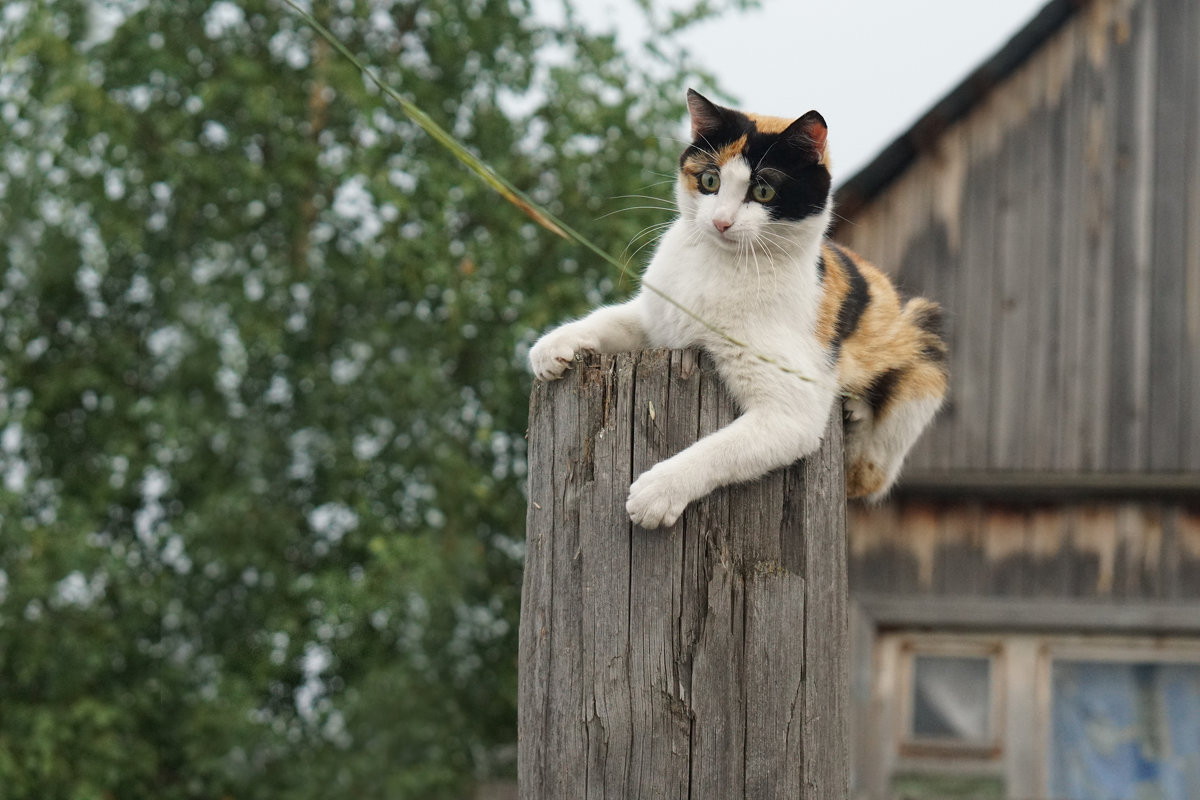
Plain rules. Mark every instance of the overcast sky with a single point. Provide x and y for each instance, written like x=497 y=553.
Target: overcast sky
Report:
x=871 y=67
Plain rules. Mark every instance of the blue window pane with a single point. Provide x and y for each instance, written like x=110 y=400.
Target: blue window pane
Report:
x=1124 y=731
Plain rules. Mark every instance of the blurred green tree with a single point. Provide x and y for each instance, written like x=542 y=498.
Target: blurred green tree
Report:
x=262 y=391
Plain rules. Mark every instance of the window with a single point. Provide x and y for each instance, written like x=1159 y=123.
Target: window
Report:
x=1124 y=729
x=951 y=700
x=947 y=713
x=1069 y=717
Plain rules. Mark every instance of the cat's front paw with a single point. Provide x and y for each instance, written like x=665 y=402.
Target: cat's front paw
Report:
x=553 y=354
x=658 y=498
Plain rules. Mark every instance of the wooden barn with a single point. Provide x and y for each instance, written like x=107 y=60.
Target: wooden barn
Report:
x=1026 y=608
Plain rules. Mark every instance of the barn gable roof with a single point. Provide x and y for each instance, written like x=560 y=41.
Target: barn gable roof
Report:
x=896 y=157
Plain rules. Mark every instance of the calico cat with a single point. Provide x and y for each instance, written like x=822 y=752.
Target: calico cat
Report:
x=792 y=320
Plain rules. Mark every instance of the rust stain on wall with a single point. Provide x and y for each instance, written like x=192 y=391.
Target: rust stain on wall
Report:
x=1099 y=549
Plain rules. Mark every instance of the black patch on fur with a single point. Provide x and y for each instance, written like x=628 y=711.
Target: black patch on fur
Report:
x=934 y=352
x=879 y=393
x=853 y=304
x=821 y=267
x=929 y=319
x=800 y=182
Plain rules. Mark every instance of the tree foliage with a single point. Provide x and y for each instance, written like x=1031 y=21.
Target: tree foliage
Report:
x=262 y=392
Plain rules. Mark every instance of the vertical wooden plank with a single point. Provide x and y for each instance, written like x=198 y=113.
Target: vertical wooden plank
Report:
x=931 y=269
x=1137 y=555
x=887 y=700
x=1010 y=339
x=823 y=731
x=971 y=364
x=946 y=283
x=1043 y=273
x=1073 y=273
x=1095 y=541
x=885 y=234
x=605 y=395
x=880 y=561
x=686 y=380
x=550 y=653
x=1173 y=550
x=1051 y=573
x=1103 y=113
x=1006 y=542
x=1021 y=762
x=776 y=749
x=1174 y=69
x=912 y=215
x=1186 y=520
x=857 y=232
x=918 y=531
x=865 y=741
x=866 y=234
x=566 y=708
x=718 y=728
x=537 y=594
x=1189 y=348
x=1134 y=167
x=660 y=761
x=912 y=276
x=960 y=567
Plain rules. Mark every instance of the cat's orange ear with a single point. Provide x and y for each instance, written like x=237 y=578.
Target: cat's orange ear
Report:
x=707 y=118
x=809 y=133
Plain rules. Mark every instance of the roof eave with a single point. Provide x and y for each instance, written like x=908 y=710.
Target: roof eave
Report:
x=896 y=157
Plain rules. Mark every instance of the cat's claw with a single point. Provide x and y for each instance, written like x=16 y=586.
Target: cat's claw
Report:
x=555 y=352
x=656 y=500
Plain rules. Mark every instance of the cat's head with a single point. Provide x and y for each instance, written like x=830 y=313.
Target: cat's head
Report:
x=753 y=179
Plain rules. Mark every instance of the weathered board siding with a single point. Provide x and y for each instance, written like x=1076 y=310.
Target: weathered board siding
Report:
x=1058 y=222
x=1094 y=550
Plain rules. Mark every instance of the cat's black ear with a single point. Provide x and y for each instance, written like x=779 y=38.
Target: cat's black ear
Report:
x=809 y=133
x=707 y=117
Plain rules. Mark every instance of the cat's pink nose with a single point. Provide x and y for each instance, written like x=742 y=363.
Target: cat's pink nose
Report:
x=722 y=225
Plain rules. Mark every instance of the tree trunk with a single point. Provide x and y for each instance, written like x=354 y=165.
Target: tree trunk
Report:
x=703 y=661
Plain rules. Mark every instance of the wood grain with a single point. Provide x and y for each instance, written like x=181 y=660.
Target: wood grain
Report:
x=706 y=660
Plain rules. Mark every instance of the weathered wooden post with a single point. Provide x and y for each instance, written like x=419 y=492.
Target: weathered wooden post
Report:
x=707 y=661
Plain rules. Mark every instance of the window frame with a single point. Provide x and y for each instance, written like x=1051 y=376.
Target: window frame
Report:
x=1031 y=634
x=1101 y=649
x=913 y=646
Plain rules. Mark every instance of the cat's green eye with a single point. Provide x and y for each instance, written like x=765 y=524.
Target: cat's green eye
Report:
x=762 y=192
x=710 y=181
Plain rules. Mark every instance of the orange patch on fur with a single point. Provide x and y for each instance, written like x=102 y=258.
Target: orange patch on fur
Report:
x=835 y=287
x=888 y=336
x=767 y=124
x=863 y=478
x=704 y=160
x=730 y=151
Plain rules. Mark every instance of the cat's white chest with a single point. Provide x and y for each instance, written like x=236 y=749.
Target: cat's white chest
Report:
x=699 y=295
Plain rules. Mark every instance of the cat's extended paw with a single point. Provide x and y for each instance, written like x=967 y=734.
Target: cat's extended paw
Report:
x=657 y=498
x=553 y=354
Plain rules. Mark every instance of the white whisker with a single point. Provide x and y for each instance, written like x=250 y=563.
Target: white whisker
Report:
x=634 y=208
x=652 y=231
x=642 y=197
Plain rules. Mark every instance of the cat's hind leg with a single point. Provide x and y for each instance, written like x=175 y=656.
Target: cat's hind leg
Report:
x=882 y=425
